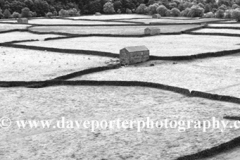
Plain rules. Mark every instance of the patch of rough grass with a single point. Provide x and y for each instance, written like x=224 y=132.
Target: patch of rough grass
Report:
x=7 y=27
x=8 y=20
x=229 y=90
x=18 y=36
x=31 y=65
x=107 y=103
x=112 y=30
x=111 y=17
x=224 y=25
x=70 y=22
x=220 y=31
x=171 y=45
x=201 y=75
x=171 y=20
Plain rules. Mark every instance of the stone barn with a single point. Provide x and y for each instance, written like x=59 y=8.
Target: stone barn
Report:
x=22 y=20
x=152 y=31
x=156 y=16
x=133 y=55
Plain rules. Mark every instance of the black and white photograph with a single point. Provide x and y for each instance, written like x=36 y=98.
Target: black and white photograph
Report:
x=119 y=79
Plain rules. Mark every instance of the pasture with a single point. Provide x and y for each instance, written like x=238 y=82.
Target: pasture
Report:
x=69 y=67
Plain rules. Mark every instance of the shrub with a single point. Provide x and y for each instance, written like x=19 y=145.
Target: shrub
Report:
x=196 y=11
x=1 y=14
x=14 y=5
x=168 y=13
x=41 y=7
x=221 y=2
x=141 y=9
x=49 y=14
x=63 y=13
x=177 y=2
x=33 y=14
x=6 y=13
x=237 y=2
x=150 y=2
x=25 y=12
x=117 y=5
x=228 y=14
x=15 y=15
x=234 y=6
x=219 y=13
x=209 y=15
x=70 y=12
x=162 y=10
x=108 y=8
x=29 y=4
x=128 y=11
x=195 y=2
x=119 y=11
x=94 y=6
x=55 y=13
x=187 y=5
x=153 y=8
x=172 y=5
x=147 y=10
x=214 y=10
x=51 y=8
x=236 y=14
x=208 y=8
x=156 y=16
x=175 y=12
x=181 y=6
x=73 y=12
x=201 y=5
x=129 y=4
x=185 y=12
x=223 y=7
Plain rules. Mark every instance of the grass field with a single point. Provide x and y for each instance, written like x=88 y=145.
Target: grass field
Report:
x=225 y=25
x=8 y=20
x=18 y=36
x=219 y=75
x=113 y=30
x=7 y=27
x=87 y=103
x=163 y=45
x=196 y=74
x=227 y=31
x=112 y=17
x=42 y=65
x=70 y=22
x=172 y=20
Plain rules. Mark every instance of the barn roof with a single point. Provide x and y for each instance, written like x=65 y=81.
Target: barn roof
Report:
x=136 y=48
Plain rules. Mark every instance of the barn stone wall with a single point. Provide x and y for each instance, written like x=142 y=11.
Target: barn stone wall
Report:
x=128 y=58
x=22 y=20
x=152 y=31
